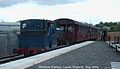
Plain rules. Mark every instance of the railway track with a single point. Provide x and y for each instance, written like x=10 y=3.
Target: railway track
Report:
x=10 y=58
x=16 y=56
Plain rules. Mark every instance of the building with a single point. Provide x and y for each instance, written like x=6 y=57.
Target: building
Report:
x=114 y=36
x=10 y=26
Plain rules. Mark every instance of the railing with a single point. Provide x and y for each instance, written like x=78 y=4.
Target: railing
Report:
x=114 y=44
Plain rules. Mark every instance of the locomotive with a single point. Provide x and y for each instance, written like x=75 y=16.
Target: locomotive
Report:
x=36 y=35
x=39 y=35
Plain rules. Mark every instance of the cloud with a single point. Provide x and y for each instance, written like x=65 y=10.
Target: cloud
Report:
x=77 y=11
x=91 y=11
x=55 y=2
x=7 y=3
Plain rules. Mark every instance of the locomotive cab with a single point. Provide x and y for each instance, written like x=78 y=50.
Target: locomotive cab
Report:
x=35 y=36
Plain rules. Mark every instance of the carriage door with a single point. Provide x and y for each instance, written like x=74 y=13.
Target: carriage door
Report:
x=75 y=32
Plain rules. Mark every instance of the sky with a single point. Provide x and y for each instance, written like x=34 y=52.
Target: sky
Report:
x=90 y=11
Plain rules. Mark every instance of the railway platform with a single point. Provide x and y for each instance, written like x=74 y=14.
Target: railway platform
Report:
x=86 y=55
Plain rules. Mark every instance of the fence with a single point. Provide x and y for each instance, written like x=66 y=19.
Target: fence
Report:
x=8 y=43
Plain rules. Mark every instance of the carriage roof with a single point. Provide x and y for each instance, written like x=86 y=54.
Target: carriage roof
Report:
x=70 y=21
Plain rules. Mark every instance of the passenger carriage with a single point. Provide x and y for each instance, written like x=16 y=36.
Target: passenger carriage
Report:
x=74 y=31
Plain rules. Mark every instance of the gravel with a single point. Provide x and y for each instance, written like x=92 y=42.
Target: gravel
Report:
x=97 y=55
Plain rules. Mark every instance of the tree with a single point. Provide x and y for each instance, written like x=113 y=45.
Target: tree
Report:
x=114 y=26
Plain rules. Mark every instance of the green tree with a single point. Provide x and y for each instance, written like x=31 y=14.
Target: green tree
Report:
x=114 y=26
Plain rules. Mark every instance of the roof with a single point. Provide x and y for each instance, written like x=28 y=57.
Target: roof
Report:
x=34 y=20
x=9 y=23
x=69 y=21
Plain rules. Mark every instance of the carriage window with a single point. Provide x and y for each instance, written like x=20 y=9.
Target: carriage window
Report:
x=70 y=29
x=41 y=26
x=24 y=25
x=65 y=29
x=60 y=28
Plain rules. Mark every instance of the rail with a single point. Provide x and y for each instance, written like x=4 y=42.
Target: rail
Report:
x=10 y=58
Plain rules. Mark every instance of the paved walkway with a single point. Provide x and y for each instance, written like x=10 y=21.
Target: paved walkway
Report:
x=97 y=55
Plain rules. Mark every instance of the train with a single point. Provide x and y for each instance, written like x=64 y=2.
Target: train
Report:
x=40 y=35
x=75 y=31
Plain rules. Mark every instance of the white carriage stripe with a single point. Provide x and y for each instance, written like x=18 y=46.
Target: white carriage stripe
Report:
x=27 y=62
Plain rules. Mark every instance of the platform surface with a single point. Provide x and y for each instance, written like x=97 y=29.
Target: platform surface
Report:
x=97 y=55
x=31 y=61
